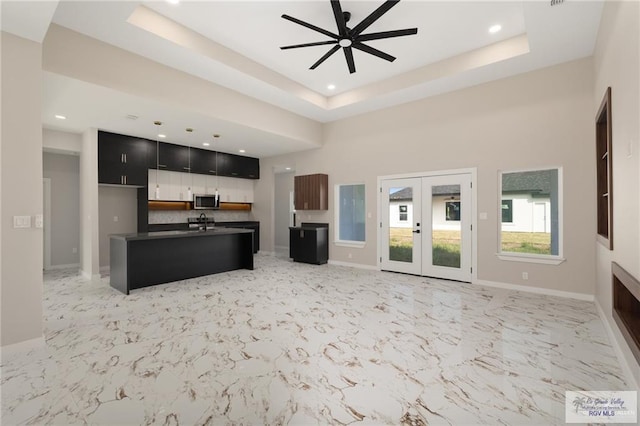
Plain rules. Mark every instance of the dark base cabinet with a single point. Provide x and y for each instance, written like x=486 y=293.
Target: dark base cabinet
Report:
x=309 y=243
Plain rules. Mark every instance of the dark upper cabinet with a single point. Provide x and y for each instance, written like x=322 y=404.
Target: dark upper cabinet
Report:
x=173 y=157
x=240 y=167
x=122 y=160
x=203 y=161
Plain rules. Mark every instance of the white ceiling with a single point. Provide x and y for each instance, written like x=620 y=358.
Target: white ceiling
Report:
x=236 y=44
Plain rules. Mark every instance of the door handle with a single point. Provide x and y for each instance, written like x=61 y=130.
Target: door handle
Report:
x=417 y=231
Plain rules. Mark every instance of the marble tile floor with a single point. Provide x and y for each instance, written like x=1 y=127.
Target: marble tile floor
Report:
x=291 y=343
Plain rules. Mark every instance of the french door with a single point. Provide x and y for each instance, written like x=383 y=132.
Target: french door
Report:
x=426 y=226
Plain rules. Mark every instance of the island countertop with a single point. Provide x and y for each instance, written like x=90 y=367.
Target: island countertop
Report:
x=150 y=258
x=180 y=234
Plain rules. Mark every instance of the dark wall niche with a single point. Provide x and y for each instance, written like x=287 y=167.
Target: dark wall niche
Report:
x=626 y=307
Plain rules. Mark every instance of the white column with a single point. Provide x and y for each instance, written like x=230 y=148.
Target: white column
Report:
x=89 y=220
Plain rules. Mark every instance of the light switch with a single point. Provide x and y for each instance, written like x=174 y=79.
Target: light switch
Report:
x=483 y=215
x=22 y=221
x=369 y=215
x=115 y=218
x=39 y=221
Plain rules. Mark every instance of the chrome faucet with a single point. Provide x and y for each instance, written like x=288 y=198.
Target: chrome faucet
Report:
x=202 y=222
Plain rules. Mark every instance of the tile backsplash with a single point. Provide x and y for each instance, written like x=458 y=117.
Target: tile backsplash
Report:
x=181 y=216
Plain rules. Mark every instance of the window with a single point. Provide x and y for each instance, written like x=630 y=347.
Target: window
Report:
x=507 y=211
x=403 y=213
x=350 y=214
x=530 y=207
x=453 y=210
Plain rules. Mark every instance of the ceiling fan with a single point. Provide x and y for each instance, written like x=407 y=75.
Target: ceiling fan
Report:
x=351 y=38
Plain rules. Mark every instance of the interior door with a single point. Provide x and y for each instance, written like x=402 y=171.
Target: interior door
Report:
x=426 y=226
x=401 y=221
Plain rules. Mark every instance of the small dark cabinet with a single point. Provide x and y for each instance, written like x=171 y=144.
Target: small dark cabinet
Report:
x=122 y=160
x=309 y=243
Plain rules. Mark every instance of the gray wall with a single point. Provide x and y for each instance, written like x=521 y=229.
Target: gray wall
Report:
x=120 y=203
x=64 y=172
x=617 y=65
x=535 y=120
x=20 y=190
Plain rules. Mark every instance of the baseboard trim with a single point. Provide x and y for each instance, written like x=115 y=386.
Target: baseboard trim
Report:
x=617 y=348
x=538 y=290
x=68 y=266
x=353 y=265
x=21 y=347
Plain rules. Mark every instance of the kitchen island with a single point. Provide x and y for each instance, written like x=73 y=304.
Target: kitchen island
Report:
x=146 y=259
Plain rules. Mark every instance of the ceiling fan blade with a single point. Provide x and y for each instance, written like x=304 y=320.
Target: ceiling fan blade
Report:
x=333 y=50
x=373 y=17
x=374 y=52
x=340 y=22
x=387 y=34
x=311 y=26
x=348 y=54
x=318 y=43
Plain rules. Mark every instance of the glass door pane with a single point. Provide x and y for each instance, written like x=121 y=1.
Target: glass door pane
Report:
x=400 y=245
x=401 y=224
x=446 y=231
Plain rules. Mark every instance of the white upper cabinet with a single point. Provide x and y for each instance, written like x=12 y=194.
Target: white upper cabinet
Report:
x=174 y=186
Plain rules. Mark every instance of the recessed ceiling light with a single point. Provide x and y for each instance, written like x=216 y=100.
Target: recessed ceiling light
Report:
x=287 y=168
x=206 y=143
x=173 y=1
x=242 y=151
x=60 y=117
x=162 y=136
x=495 y=28
x=331 y=87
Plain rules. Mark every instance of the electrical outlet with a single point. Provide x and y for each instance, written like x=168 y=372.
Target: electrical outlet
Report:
x=350 y=255
x=22 y=221
x=115 y=218
x=525 y=275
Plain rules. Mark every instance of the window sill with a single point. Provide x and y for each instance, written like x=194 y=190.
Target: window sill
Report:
x=356 y=244
x=531 y=258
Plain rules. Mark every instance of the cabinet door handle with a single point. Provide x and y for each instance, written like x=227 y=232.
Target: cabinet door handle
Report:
x=162 y=165
x=301 y=233
x=122 y=158
x=187 y=168
x=234 y=174
x=125 y=178
x=212 y=171
x=125 y=158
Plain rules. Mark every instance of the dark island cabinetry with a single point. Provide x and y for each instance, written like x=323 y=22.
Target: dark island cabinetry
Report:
x=309 y=243
x=122 y=160
x=146 y=259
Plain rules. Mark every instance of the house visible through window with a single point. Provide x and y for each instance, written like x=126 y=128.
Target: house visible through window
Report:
x=452 y=210
x=350 y=214
x=507 y=211
x=403 y=213
x=530 y=205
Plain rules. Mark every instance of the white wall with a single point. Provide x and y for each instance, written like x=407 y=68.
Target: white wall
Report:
x=616 y=61
x=61 y=142
x=282 y=191
x=64 y=172
x=534 y=120
x=118 y=215
x=21 y=190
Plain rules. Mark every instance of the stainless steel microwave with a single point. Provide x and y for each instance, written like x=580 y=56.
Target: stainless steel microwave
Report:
x=208 y=202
